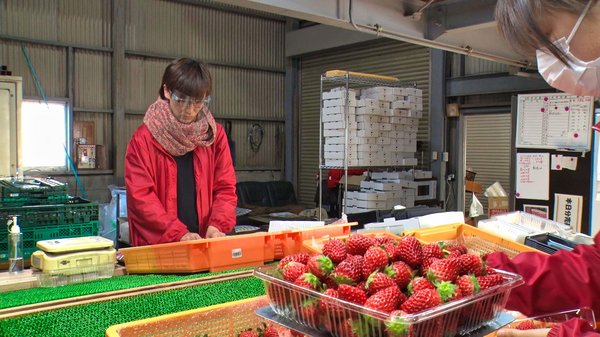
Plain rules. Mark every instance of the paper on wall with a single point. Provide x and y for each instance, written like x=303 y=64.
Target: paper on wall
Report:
x=569 y=163
x=568 y=210
x=533 y=176
x=559 y=162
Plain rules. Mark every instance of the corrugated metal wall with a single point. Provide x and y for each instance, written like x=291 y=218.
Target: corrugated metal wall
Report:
x=385 y=57
x=488 y=153
x=247 y=57
x=246 y=50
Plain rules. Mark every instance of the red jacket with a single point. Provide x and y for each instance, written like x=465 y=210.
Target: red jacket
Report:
x=151 y=180
x=562 y=281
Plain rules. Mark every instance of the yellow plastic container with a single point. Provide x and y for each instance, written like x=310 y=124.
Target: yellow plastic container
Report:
x=222 y=320
x=477 y=240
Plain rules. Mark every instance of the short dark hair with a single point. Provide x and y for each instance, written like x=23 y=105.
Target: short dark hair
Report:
x=187 y=77
x=519 y=23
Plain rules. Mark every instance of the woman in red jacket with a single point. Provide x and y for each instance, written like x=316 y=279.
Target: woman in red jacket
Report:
x=563 y=35
x=178 y=169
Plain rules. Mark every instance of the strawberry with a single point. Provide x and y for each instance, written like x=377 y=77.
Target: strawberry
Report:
x=383 y=240
x=418 y=284
x=362 y=285
x=468 y=285
x=489 y=270
x=309 y=281
x=348 y=271
x=267 y=331
x=489 y=281
x=248 y=333
x=335 y=250
x=460 y=248
x=422 y=300
x=320 y=266
x=346 y=328
x=309 y=312
x=410 y=251
x=433 y=250
x=351 y=294
x=400 y=272
x=300 y=257
x=386 y=300
x=378 y=281
x=392 y=251
x=358 y=244
x=525 y=325
x=397 y=326
x=329 y=283
x=330 y=308
x=270 y=332
x=471 y=264
x=425 y=265
x=292 y=270
x=443 y=270
x=375 y=259
x=448 y=291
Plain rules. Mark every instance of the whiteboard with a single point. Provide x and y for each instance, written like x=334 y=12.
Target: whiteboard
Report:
x=554 y=121
x=533 y=176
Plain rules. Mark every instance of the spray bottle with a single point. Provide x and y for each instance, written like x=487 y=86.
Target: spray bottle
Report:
x=15 y=247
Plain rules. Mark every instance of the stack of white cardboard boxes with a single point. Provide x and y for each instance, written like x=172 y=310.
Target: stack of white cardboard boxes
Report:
x=382 y=126
x=388 y=189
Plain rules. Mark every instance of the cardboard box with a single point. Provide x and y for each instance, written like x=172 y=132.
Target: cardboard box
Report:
x=86 y=156
x=471 y=186
x=497 y=205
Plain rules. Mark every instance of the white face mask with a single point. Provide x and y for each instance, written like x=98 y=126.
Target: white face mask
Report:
x=582 y=78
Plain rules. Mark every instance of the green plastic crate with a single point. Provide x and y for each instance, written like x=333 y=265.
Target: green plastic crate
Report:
x=31 y=192
x=76 y=211
x=31 y=235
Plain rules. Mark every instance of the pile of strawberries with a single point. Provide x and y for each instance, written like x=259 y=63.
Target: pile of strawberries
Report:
x=380 y=273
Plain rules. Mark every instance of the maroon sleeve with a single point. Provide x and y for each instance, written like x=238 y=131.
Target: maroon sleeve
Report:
x=573 y=328
x=222 y=214
x=563 y=281
x=148 y=220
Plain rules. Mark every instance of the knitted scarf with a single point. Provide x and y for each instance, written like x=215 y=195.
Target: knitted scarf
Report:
x=179 y=138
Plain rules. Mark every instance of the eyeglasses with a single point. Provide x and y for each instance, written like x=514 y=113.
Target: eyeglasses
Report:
x=189 y=101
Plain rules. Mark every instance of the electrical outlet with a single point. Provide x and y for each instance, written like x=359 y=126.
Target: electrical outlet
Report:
x=434 y=155
x=445 y=156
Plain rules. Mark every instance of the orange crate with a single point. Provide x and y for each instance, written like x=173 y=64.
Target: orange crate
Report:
x=217 y=254
x=315 y=246
x=477 y=240
x=280 y=244
x=222 y=320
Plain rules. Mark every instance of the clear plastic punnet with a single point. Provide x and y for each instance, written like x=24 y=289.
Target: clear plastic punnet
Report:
x=324 y=313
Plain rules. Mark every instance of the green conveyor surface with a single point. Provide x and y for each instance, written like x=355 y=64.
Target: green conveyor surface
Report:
x=92 y=320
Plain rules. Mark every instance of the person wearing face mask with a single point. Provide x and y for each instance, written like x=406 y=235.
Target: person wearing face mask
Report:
x=563 y=34
x=178 y=169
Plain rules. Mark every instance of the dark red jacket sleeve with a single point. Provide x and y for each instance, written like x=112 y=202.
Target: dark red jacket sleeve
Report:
x=222 y=213
x=573 y=328
x=563 y=281
x=149 y=221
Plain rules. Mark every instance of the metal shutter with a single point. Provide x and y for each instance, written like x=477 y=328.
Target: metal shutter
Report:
x=487 y=151
x=408 y=62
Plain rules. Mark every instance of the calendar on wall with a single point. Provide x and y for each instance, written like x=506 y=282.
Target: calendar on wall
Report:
x=554 y=121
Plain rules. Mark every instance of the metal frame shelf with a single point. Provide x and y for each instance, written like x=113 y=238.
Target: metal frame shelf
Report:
x=357 y=80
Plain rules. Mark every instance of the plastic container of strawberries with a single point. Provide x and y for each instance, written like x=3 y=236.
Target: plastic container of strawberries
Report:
x=306 y=307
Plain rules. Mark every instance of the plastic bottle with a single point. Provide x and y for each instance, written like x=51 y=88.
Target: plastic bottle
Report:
x=15 y=247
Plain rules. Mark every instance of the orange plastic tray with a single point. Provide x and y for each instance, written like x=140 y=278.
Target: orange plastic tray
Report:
x=477 y=240
x=225 y=253
x=222 y=320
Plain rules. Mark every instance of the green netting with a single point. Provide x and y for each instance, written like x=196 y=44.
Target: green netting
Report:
x=92 y=320
x=38 y=295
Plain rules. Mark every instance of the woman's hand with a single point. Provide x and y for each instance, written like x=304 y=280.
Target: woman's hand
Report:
x=213 y=232
x=522 y=333
x=190 y=236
